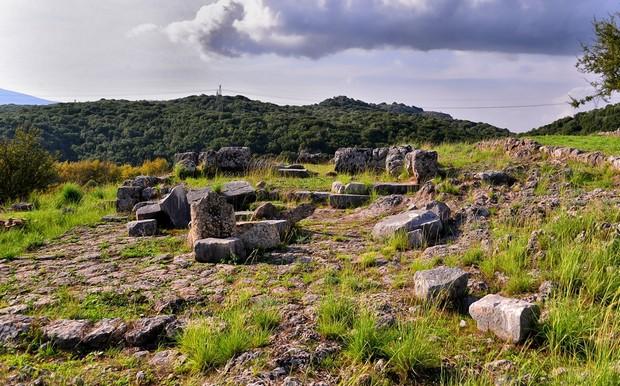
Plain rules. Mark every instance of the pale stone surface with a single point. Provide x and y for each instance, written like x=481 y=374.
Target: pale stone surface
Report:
x=142 y=228
x=440 y=283
x=211 y=217
x=355 y=188
x=422 y=165
x=346 y=201
x=239 y=193
x=214 y=250
x=259 y=234
x=409 y=221
x=509 y=319
x=337 y=187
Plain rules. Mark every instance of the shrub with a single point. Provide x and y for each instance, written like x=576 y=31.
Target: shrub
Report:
x=25 y=166
x=70 y=194
x=82 y=172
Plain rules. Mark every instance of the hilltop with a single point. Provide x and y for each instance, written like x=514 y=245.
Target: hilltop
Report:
x=8 y=97
x=132 y=131
x=589 y=122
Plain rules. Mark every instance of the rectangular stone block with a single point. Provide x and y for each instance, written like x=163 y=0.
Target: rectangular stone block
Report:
x=217 y=250
x=347 y=201
x=509 y=319
x=441 y=283
x=142 y=228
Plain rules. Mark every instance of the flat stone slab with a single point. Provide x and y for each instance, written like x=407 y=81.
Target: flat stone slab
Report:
x=356 y=188
x=294 y=173
x=153 y=212
x=284 y=227
x=194 y=195
x=347 y=201
x=244 y=215
x=441 y=283
x=509 y=319
x=425 y=220
x=217 y=250
x=259 y=234
x=239 y=193
x=142 y=228
x=388 y=188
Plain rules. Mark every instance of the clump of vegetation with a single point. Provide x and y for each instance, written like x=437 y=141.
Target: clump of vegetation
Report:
x=210 y=343
x=25 y=166
x=105 y=172
x=70 y=194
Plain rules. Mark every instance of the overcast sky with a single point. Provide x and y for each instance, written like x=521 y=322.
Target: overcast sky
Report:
x=437 y=54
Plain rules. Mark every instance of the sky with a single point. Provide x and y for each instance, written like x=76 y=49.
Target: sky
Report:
x=473 y=59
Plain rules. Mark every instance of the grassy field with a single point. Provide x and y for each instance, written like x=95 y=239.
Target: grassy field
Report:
x=609 y=145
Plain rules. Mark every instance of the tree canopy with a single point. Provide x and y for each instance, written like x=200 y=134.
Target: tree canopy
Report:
x=131 y=132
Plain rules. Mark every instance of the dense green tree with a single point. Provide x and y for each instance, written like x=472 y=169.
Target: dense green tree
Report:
x=124 y=131
x=602 y=58
x=24 y=165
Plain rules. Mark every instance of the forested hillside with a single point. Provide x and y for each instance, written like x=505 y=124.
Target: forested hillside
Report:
x=605 y=119
x=124 y=131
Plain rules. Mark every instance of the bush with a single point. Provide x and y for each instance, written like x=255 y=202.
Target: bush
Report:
x=82 y=172
x=70 y=194
x=25 y=166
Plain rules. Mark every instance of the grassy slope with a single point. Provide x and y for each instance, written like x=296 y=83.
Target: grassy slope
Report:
x=609 y=145
x=580 y=256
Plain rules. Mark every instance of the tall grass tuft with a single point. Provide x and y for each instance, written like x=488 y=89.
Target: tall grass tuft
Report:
x=70 y=194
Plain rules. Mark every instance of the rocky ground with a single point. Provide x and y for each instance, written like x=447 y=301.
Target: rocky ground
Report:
x=135 y=296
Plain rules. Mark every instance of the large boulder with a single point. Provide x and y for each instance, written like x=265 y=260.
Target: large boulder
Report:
x=207 y=161
x=441 y=283
x=266 y=211
x=67 y=334
x=347 y=201
x=105 y=333
x=127 y=197
x=509 y=319
x=147 y=332
x=395 y=159
x=153 y=211
x=213 y=250
x=176 y=207
x=352 y=160
x=259 y=234
x=233 y=159
x=295 y=215
x=211 y=217
x=142 y=228
x=194 y=195
x=239 y=193
x=425 y=220
x=422 y=165
x=188 y=156
x=377 y=159
x=355 y=188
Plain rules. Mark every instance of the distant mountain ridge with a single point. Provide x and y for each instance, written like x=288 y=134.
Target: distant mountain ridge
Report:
x=8 y=97
x=127 y=131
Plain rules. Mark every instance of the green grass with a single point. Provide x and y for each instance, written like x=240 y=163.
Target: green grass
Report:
x=210 y=343
x=48 y=221
x=469 y=155
x=610 y=145
x=156 y=246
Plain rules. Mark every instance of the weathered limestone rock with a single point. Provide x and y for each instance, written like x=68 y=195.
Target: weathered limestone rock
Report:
x=494 y=177
x=356 y=188
x=298 y=213
x=142 y=228
x=105 y=333
x=283 y=226
x=147 y=181
x=207 y=162
x=233 y=159
x=415 y=239
x=509 y=319
x=153 y=212
x=147 y=332
x=211 y=217
x=186 y=168
x=312 y=158
x=239 y=193
x=188 y=156
x=352 y=160
x=196 y=194
x=440 y=209
x=294 y=173
x=425 y=220
x=67 y=334
x=127 y=197
x=395 y=159
x=149 y=193
x=176 y=206
x=388 y=188
x=258 y=234
x=214 y=250
x=13 y=328
x=338 y=187
x=422 y=165
x=266 y=211
x=346 y=201
x=441 y=283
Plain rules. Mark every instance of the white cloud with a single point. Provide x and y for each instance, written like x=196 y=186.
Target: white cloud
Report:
x=142 y=29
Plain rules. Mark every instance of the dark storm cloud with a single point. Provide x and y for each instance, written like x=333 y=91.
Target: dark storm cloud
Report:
x=315 y=28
